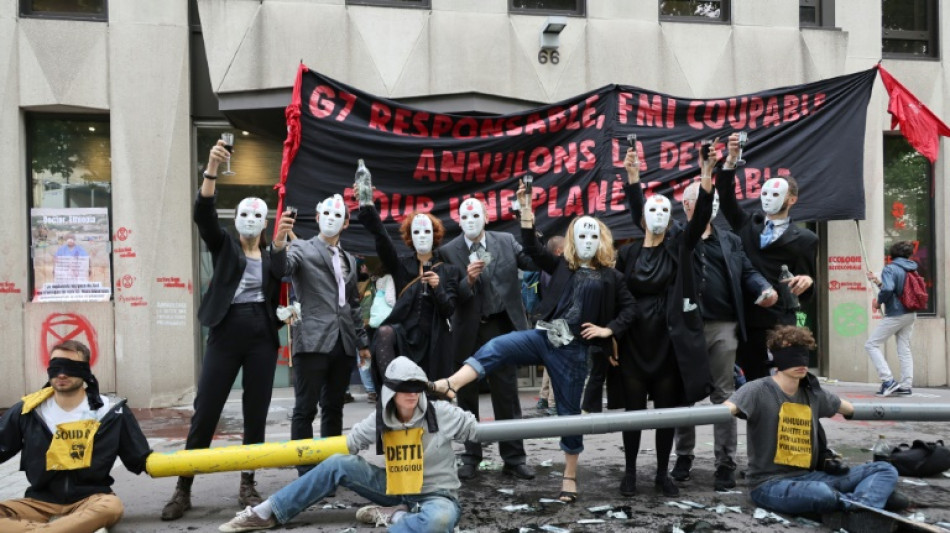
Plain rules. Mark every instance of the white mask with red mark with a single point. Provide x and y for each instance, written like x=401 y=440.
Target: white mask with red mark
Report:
x=656 y=214
x=422 y=233
x=773 y=195
x=250 y=217
x=472 y=218
x=586 y=238
x=332 y=216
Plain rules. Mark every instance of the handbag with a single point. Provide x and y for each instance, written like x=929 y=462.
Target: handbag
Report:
x=921 y=459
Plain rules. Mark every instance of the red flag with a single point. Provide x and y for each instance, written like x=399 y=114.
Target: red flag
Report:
x=919 y=125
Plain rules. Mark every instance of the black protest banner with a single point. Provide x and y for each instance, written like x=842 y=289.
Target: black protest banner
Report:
x=428 y=161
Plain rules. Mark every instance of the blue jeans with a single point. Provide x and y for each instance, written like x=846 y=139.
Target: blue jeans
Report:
x=566 y=365
x=817 y=492
x=434 y=512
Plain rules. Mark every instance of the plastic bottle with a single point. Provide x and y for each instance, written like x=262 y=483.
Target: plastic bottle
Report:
x=364 y=184
x=881 y=450
x=792 y=298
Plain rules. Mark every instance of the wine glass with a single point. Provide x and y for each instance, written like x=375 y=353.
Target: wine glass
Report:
x=743 y=138
x=228 y=139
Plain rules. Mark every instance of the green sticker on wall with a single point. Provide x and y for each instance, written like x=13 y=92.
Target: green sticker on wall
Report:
x=849 y=319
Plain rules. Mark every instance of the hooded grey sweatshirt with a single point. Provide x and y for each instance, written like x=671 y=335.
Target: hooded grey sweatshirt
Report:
x=439 y=471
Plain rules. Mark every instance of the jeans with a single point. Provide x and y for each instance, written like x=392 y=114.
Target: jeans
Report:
x=902 y=327
x=366 y=376
x=721 y=342
x=566 y=365
x=817 y=492
x=435 y=512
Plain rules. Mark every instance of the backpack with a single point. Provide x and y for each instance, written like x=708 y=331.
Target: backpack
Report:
x=914 y=296
x=922 y=459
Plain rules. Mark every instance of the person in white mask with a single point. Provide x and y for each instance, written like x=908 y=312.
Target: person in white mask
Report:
x=330 y=333
x=489 y=305
x=663 y=356
x=240 y=308
x=427 y=288
x=770 y=240
x=589 y=305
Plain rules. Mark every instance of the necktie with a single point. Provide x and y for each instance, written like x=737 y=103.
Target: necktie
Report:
x=766 y=236
x=338 y=273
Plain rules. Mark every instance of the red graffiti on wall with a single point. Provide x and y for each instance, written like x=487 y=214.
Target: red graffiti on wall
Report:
x=61 y=327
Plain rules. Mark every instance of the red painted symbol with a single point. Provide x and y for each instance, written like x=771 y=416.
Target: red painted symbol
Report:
x=127 y=281
x=122 y=233
x=337 y=204
x=60 y=327
x=470 y=206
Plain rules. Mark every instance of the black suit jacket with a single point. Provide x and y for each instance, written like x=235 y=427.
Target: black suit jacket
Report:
x=229 y=262
x=796 y=248
x=507 y=258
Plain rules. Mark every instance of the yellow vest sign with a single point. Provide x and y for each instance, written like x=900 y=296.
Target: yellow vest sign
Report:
x=794 y=444
x=71 y=447
x=403 y=449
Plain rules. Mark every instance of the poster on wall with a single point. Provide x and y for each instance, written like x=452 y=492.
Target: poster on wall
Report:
x=71 y=254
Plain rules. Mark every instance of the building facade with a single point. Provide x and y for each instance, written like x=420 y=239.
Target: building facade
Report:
x=113 y=105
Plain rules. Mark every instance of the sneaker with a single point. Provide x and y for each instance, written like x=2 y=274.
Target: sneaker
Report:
x=903 y=391
x=724 y=479
x=378 y=516
x=680 y=472
x=542 y=404
x=371 y=397
x=888 y=387
x=247 y=520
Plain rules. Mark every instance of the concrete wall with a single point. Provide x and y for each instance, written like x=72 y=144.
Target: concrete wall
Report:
x=134 y=68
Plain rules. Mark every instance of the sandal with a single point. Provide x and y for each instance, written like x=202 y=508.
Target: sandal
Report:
x=449 y=394
x=566 y=496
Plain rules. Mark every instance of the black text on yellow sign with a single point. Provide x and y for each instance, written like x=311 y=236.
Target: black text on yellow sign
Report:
x=71 y=447
x=404 y=461
x=794 y=444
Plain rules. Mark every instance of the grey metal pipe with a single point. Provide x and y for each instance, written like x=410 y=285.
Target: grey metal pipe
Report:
x=560 y=426
x=680 y=416
x=918 y=412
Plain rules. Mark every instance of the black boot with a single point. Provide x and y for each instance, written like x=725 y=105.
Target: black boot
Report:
x=181 y=500
x=247 y=494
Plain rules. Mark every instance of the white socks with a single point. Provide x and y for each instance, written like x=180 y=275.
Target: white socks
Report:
x=264 y=510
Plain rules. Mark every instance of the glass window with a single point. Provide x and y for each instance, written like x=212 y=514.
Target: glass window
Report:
x=545 y=7
x=700 y=10
x=816 y=13
x=70 y=175
x=391 y=3
x=66 y=9
x=255 y=163
x=909 y=206
x=909 y=28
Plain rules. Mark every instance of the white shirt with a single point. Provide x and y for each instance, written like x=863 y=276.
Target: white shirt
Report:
x=53 y=415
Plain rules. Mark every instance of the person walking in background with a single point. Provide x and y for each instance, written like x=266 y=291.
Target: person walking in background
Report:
x=897 y=321
x=240 y=308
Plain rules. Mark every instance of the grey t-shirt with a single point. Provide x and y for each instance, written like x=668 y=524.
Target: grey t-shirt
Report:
x=251 y=287
x=770 y=421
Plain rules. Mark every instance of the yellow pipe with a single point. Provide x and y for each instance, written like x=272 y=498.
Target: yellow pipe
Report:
x=247 y=457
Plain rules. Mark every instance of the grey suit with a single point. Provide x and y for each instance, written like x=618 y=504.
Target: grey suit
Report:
x=326 y=340
x=473 y=328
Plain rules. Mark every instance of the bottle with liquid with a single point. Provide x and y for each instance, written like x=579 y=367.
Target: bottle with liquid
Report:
x=881 y=450
x=793 y=302
x=364 y=184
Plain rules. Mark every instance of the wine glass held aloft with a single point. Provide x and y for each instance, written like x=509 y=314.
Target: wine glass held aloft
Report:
x=228 y=139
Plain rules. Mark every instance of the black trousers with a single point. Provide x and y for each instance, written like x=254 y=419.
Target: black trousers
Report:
x=320 y=377
x=241 y=341
x=503 y=384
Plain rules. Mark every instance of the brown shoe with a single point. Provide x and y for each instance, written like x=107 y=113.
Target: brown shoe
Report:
x=181 y=500
x=247 y=494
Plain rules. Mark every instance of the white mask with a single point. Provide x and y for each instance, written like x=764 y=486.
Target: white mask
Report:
x=691 y=194
x=332 y=216
x=773 y=195
x=715 y=205
x=422 y=233
x=586 y=238
x=472 y=218
x=656 y=213
x=251 y=217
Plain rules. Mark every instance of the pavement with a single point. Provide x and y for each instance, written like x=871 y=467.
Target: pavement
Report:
x=214 y=496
